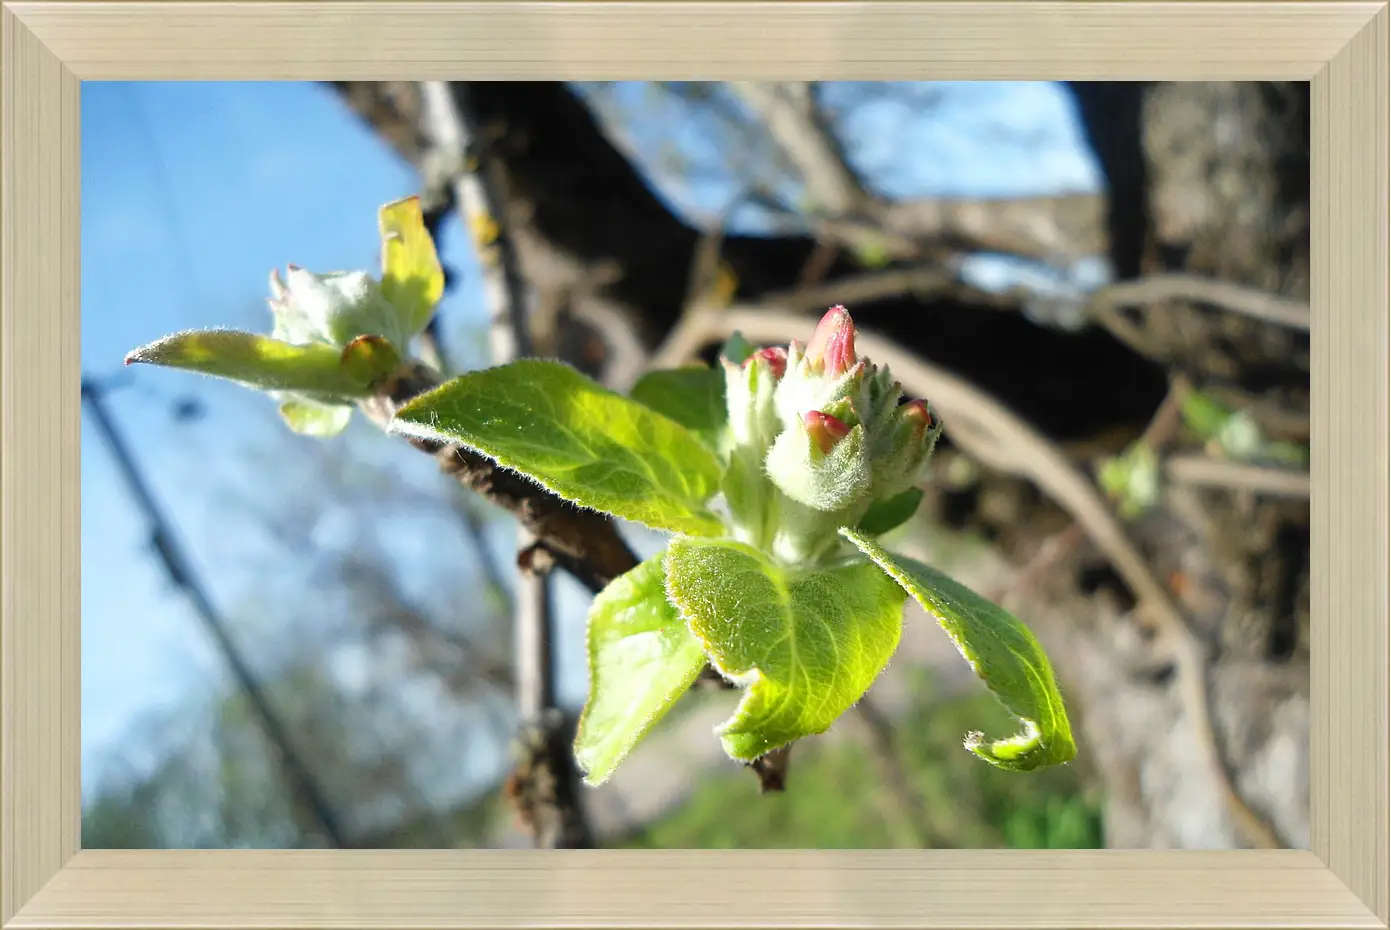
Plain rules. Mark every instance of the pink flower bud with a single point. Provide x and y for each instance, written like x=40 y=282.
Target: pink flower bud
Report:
x=775 y=357
x=824 y=429
x=832 y=346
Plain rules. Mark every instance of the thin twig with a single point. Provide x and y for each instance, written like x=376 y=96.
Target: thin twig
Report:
x=171 y=555
x=989 y=432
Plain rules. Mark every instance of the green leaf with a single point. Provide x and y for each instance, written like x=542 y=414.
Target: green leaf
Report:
x=267 y=364
x=872 y=252
x=1001 y=651
x=322 y=421
x=805 y=644
x=1132 y=479
x=580 y=441
x=412 y=278
x=642 y=658
x=890 y=512
x=693 y=397
x=736 y=348
x=1203 y=415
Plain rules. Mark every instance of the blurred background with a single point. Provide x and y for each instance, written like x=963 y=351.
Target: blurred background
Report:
x=292 y=642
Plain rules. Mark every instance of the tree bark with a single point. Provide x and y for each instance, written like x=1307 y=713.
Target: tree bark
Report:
x=1212 y=179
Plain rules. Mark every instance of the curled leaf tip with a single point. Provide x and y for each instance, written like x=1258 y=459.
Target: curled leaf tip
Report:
x=824 y=429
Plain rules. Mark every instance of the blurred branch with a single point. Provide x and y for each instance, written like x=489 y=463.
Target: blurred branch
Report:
x=1062 y=228
x=806 y=141
x=1204 y=471
x=873 y=286
x=1163 y=426
x=176 y=564
x=992 y=434
x=1258 y=305
x=432 y=352
x=549 y=797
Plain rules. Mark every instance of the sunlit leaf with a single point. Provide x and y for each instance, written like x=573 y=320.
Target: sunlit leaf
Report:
x=693 y=397
x=583 y=443
x=642 y=658
x=258 y=361
x=412 y=279
x=1001 y=651
x=806 y=645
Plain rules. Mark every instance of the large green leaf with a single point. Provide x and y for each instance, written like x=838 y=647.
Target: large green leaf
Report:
x=805 y=644
x=267 y=364
x=582 y=442
x=1001 y=651
x=692 y=396
x=642 y=658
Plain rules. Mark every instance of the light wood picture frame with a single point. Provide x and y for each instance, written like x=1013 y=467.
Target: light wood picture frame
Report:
x=50 y=48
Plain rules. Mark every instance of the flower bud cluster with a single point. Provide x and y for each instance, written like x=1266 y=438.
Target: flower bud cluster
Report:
x=817 y=434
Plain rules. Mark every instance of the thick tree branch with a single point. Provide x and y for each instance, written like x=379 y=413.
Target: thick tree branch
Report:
x=580 y=203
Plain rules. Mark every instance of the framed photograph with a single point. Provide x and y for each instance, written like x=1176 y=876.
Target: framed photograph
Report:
x=743 y=464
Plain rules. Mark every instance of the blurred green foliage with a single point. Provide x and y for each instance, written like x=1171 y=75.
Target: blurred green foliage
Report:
x=836 y=797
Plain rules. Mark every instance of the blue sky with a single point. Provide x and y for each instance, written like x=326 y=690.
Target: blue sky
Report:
x=191 y=193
